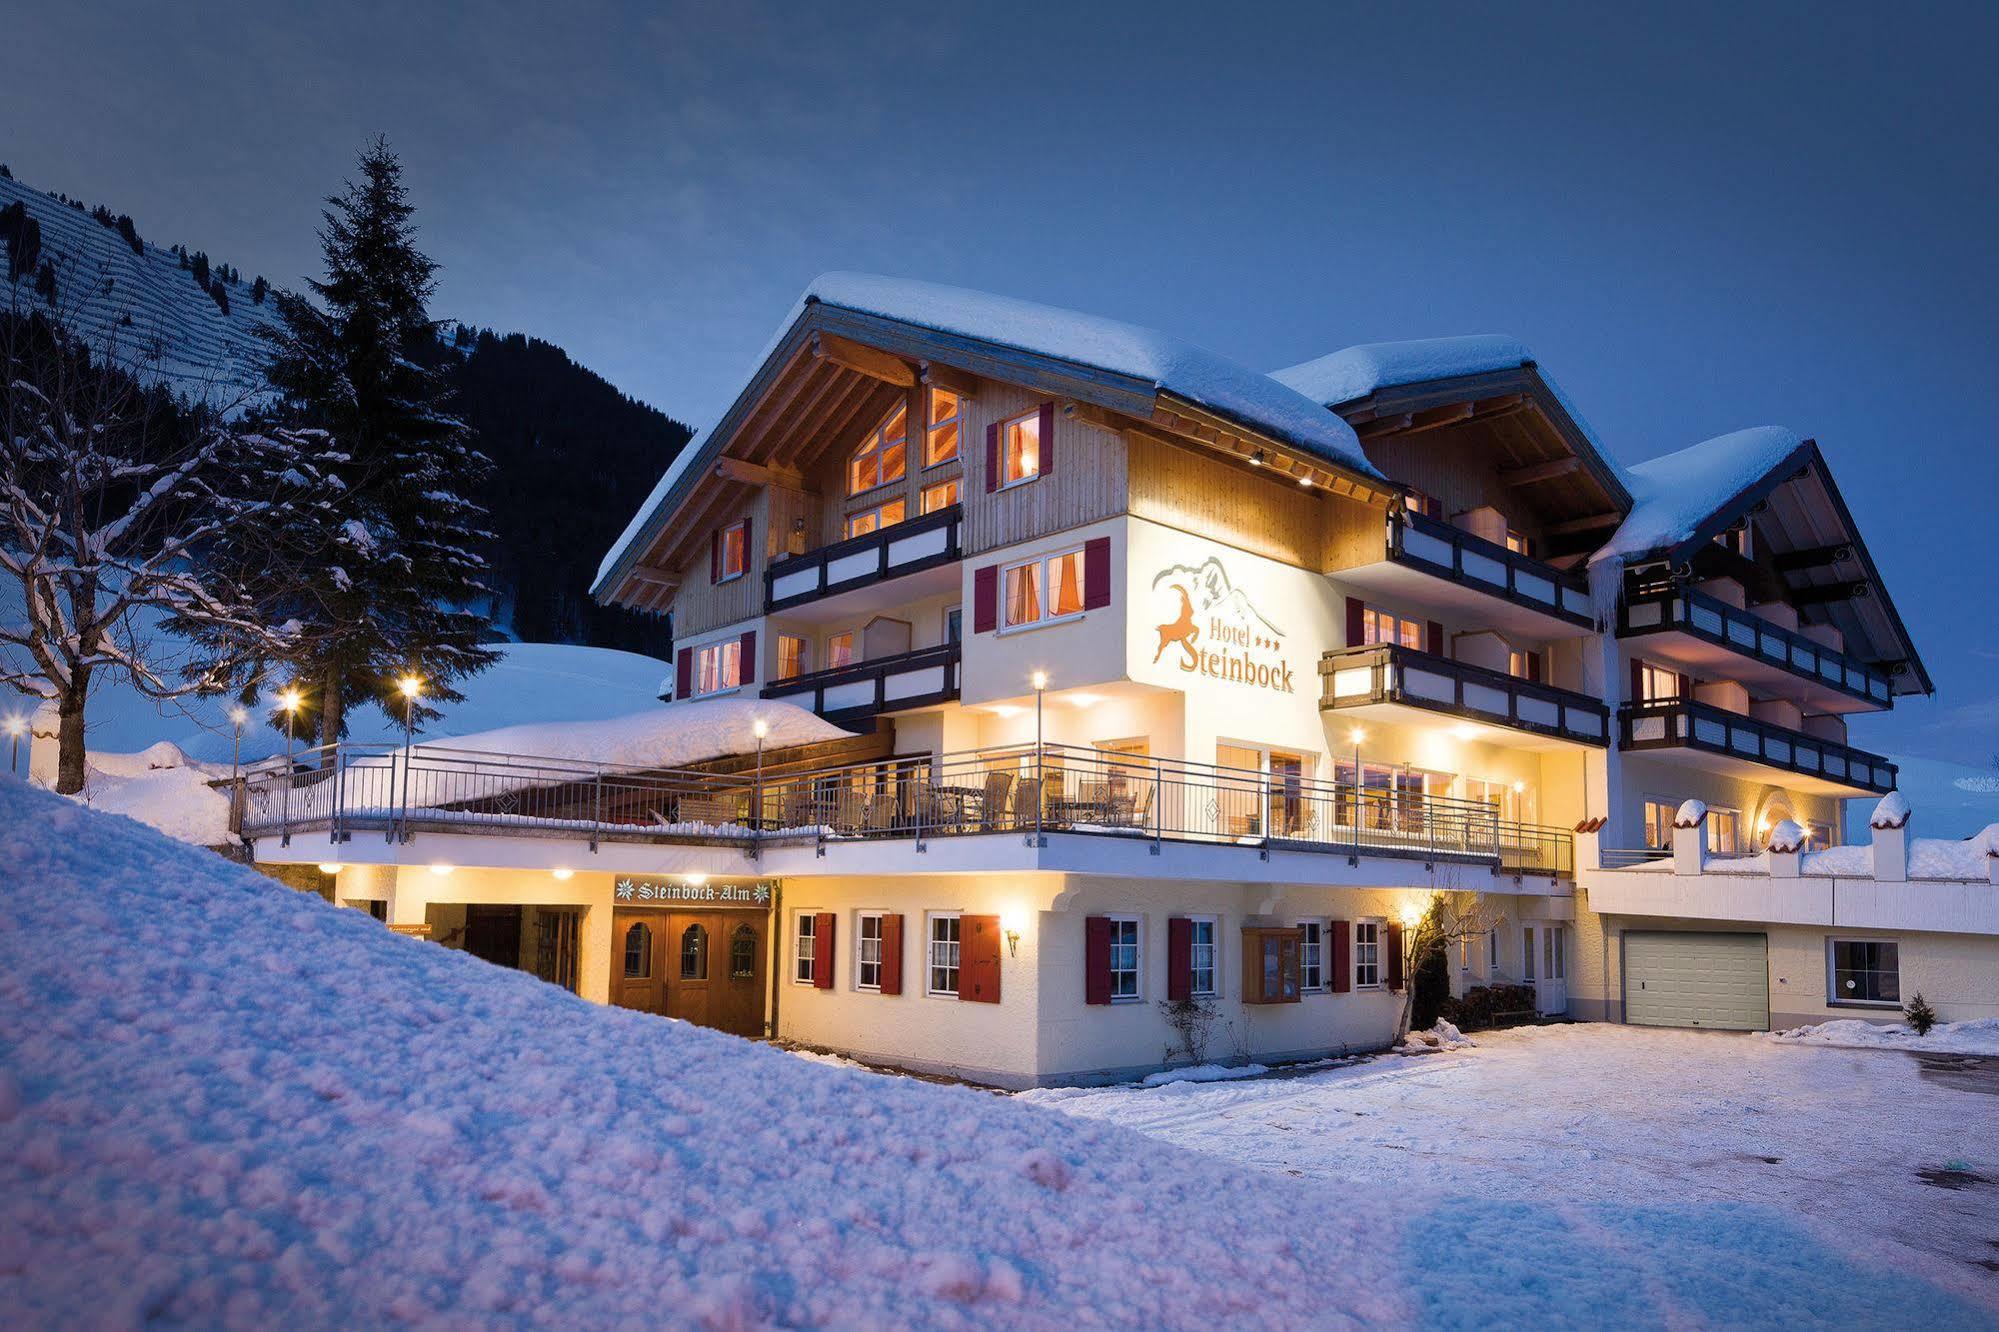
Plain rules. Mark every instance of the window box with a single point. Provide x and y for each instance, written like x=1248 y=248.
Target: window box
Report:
x=1272 y=964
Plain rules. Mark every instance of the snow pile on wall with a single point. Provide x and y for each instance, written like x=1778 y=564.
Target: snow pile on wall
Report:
x=1980 y=1037
x=1892 y=812
x=225 y=1103
x=1676 y=493
x=660 y=737
x=163 y=789
x=1961 y=859
x=1355 y=372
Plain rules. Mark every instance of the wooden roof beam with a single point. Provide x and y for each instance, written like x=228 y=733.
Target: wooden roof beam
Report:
x=755 y=474
x=1813 y=557
x=1575 y=526
x=1540 y=471
x=868 y=361
x=948 y=377
x=1831 y=593
x=1384 y=425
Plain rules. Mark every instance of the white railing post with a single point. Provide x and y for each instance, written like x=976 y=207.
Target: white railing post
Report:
x=1689 y=838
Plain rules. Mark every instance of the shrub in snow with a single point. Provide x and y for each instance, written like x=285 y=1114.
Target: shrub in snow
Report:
x=1921 y=1016
x=1485 y=1006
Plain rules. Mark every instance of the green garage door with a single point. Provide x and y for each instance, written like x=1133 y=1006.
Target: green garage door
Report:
x=1674 y=979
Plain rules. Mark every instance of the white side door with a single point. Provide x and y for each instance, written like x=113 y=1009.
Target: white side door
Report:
x=1545 y=966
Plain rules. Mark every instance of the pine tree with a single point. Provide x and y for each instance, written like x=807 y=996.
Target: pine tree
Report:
x=258 y=290
x=399 y=542
x=1921 y=1016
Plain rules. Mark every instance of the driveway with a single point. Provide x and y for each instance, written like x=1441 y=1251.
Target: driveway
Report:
x=1876 y=1149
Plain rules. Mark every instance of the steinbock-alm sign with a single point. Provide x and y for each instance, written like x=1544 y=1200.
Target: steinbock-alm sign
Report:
x=1215 y=631
x=631 y=889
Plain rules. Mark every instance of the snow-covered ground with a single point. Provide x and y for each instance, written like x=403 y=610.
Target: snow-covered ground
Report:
x=225 y=1103
x=1980 y=1037
x=1648 y=1150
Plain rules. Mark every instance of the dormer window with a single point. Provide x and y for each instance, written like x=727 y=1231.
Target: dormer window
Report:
x=882 y=456
x=944 y=426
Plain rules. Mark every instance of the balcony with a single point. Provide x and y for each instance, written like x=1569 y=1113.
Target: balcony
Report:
x=1713 y=738
x=1383 y=680
x=1687 y=627
x=1445 y=569
x=1019 y=791
x=929 y=542
x=844 y=694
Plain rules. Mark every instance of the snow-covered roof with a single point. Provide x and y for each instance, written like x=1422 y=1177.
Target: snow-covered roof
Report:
x=1170 y=364
x=1355 y=372
x=1678 y=492
x=668 y=736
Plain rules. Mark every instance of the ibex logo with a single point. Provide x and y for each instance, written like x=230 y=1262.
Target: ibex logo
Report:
x=1240 y=640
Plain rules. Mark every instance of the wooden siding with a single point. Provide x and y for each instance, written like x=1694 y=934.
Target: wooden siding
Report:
x=700 y=604
x=1449 y=465
x=1088 y=483
x=1193 y=492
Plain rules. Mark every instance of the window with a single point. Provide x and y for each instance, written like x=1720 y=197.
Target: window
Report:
x=1659 y=825
x=1020 y=449
x=743 y=954
x=873 y=520
x=1819 y=836
x=1523 y=665
x=1554 y=952
x=791 y=656
x=1367 y=955
x=1492 y=951
x=1415 y=501
x=940 y=496
x=943 y=955
x=1518 y=543
x=868 y=955
x=943 y=429
x=954 y=625
x=1380 y=626
x=732 y=551
x=805 y=952
x=1201 y=956
x=1527 y=953
x=694 y=953
x=1724 y=831
x=1656 y=684
x=1312 y=955
x=638 y=952
x=1124 y=957
x=880 y=458
x=1045 y=589
x=1864 y=971
x=718 y=666
x=840 y=650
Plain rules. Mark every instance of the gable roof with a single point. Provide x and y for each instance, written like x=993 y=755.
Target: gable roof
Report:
x=1677 y=494
x=1131 y=365
x=1354 y=372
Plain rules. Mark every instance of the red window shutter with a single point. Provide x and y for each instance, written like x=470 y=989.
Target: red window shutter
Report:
x=891 y=954
x=715 y=556
x=985 y=599
x=1433 y=638
x=748 y=563
x=1096 y=959
x=979 y=959
x=1394 y=947
x=1047 y=439
x=992 y=457
x=823 y=946
x=1356 y=626
x=749 y=664
x=683 y=673
x=1179 y=958
x=1097 y=573
x=1340 y=935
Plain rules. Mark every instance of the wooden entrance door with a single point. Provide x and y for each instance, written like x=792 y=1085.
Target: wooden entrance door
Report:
x=736 y=992
x=699 y=966
x=638 y=976
x=493 y=933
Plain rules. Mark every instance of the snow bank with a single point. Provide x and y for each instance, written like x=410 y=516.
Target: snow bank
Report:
x=1980 y=1037
x=177 y=801
x=660 y=737
x=1355 y=372
x=1676 y=493
x=1929 y=858
x=1168 y=363
x=225 y=1103
x=1441 y=1036
x=1202 y=1073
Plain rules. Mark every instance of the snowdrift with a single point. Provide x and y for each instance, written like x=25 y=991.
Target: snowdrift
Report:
x=223 y=1102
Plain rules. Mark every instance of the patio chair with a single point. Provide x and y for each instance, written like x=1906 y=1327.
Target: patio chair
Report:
x=881 y=812
x=795 y=807
x=1140 y=797
x=850 y=810
x=992 y=808
x=1027 y=801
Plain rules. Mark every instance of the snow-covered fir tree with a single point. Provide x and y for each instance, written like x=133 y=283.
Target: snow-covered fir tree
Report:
x=401 y=559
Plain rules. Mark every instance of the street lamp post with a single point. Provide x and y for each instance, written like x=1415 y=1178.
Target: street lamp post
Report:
x=1040 y=683
x=411 y=688
x=1359 y=780
x=16 y=724
x=761 y=728
x=288 y=701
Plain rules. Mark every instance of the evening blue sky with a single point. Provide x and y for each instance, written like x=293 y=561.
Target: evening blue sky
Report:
x=1699 y=218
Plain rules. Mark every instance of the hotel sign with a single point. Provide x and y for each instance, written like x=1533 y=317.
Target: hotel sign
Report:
x=1215 y=631
x=630 y=889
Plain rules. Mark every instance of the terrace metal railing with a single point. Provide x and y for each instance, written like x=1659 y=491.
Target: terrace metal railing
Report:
x=1652 y=607
x=1024 y=790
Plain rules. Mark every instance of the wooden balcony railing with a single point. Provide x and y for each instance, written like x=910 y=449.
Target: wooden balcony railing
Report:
x=866 y=689
x=1438 y=548
x=1653 y=609
x=1687 y=724
x=1386 y=673
x=889 y=552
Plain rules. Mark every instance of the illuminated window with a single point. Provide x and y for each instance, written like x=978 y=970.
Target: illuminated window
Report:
x=1656 y=685
x=1415 y=501
x=944 y=427
x=840 y=650
x=743 y=954
x=638 y=952
x=805 y=948
x=1380 y=626
x=873 y=520
x=1045 y=589
x=881 y=457
x=1523 y=665
x=1518 y=543
x=940 y=496
x=791 y=656
x=718 y=666
x=1658 y=825
x=732 y=551
x=1020 y=449
x=1724 y=830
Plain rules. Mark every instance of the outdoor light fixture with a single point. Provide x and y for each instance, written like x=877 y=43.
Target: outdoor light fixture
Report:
x=1464 y=731
x=239 y=714
x=1519 y=786
x=562 y=872
x=15 y=725
x=1013 y=943
x=1357 y=735
x=329 y=868
x=289 y=699
x=1256 y=459
x=1305 y=482
x=441 y=868
x=760 y=728
x=696 y=880
x=410 y=686
x=1412 y=914
x=1039 y=680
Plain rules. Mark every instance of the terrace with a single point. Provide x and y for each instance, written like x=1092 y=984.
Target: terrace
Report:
x=1020 y=791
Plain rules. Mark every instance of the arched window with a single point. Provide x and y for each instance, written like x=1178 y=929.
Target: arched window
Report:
x=882 y=456
x=694 y=953
x=638 y=952
x=743 y=954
